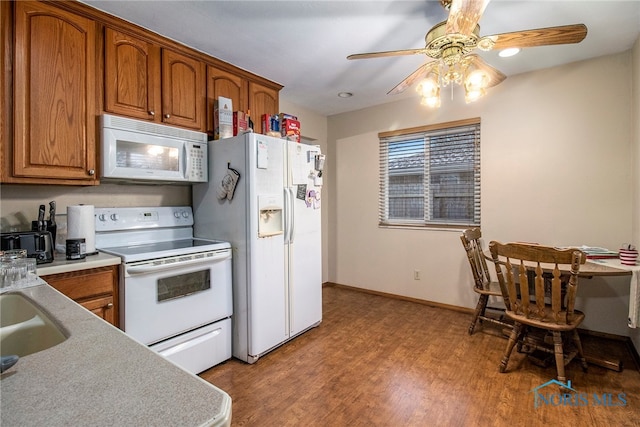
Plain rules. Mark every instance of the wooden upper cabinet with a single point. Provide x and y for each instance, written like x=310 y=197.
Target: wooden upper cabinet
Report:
x=183 y=90
x=262 y=100
x=144 y=81
x=132 y=76
x=54 y=100
x=229 y=85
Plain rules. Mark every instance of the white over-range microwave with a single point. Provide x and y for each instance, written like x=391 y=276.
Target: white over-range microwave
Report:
x=139 y=151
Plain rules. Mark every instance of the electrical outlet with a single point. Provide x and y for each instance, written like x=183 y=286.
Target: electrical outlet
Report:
x=416 y=274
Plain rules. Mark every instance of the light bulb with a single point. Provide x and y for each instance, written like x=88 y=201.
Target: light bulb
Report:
x=431 y=102
x=477 y=79
x=427 y=87
x=471 y=95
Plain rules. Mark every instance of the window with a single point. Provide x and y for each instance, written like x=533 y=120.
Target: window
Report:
x=430 y=176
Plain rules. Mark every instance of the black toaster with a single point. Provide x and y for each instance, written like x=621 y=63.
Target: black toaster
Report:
x=38 y=244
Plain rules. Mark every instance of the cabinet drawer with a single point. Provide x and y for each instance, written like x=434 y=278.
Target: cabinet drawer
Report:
x=85 y=283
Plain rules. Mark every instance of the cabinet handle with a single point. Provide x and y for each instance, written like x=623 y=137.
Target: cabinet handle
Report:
x=166 y=116
x=152 y=113
x=110 y=305
x=92 y=172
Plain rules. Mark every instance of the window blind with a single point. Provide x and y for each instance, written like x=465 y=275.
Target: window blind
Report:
x=430 y=176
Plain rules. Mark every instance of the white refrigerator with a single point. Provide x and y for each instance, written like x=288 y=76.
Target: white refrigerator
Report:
x=272 y=220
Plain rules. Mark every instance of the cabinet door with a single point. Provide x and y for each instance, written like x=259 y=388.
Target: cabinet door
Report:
x=229 y=85
x=54 y=70
x=262 y=100
x=102 y=307
x=131 y=76
x=183 y=91
x=95 y=289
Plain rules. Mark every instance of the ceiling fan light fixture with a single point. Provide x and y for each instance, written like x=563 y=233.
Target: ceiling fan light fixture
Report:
x=429 y=90
x=449 y=46
x=431 y=102
x=428 y=87
x=476 y=79
x=451 y=73
x=505 y=53
x=473 y=94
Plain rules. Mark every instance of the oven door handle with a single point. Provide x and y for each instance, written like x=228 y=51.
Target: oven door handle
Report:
x=150 y=268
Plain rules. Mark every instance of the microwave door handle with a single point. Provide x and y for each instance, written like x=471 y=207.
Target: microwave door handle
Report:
x=150 y=268
x=186 y=166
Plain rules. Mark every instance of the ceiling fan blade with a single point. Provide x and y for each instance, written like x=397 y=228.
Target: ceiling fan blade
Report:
x=386 y=53
x=564 y=34
x=411 y=78
x=464 y=15
x=495 y=76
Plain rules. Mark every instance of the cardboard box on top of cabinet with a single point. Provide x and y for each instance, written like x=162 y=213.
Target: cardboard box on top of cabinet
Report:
x=270 y=125
x=240 y=123
x=290 y=129
x=281 y=125
x=223 y=118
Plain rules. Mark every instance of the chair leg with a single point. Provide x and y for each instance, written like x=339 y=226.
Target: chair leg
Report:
x=513 y=338
x=578 y=344
x=557 y=350
x=480 y=309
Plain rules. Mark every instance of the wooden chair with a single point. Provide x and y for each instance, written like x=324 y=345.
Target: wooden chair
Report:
x=482 y=283
x=522 y=271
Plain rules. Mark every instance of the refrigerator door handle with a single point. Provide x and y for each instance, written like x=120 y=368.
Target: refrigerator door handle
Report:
x=292 y=196
x=287 y=221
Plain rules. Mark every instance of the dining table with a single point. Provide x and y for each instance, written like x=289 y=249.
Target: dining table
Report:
x=614 y=267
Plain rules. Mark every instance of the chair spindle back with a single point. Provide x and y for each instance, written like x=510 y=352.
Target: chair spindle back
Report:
x=473 y=246
x=522 y=268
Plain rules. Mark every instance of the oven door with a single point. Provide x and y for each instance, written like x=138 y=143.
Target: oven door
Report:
x=165 y=297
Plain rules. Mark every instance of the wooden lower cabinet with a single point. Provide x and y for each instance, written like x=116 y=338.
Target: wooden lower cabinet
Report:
x=95 y=289
x=103 y=307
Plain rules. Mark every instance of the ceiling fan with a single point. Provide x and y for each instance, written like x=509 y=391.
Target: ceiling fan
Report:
x=449 y=47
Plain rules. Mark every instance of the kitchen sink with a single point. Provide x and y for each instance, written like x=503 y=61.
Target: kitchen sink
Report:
x=25 y=328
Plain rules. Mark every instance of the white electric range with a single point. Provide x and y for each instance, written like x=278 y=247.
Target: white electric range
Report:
x=175 y=290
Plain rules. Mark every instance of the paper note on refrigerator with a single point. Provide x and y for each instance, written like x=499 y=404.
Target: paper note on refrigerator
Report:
x=262 y=155
x=299 y=167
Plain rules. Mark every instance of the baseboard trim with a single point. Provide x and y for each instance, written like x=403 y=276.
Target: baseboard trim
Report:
x=634 y=352
x=401 y=297
x=627 y=340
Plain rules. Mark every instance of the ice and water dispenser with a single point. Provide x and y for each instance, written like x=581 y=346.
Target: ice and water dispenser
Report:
x=270 y=221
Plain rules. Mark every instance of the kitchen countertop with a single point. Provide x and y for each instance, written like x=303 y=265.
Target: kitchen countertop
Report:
x=60 y=263
x=100 y=376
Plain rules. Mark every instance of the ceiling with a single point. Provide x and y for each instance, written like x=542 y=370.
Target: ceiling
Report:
x=303 y=44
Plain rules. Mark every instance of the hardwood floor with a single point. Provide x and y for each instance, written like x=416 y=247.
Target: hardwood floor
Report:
x=378 y=361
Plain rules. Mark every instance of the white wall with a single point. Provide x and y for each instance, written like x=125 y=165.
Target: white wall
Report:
x=556 y=169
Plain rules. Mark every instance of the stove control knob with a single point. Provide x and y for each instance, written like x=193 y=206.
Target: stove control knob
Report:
x=176 y=214
x=115 y=217
x=185 y=214
x=102 y=217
